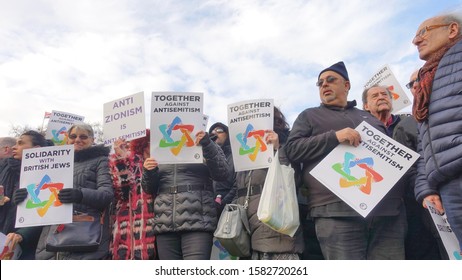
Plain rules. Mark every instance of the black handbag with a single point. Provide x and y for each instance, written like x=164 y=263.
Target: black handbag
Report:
x=84 y=234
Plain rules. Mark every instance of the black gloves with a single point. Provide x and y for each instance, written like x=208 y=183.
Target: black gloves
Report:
x=205 y=140
x=70 y=196
x=19 y=195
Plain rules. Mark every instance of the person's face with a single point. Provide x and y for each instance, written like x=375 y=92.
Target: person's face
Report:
x=335 y=91
x=378 y=101
x=221 y=135
x=80 y=138
x=5 y=152
x=23 y=142
x=432 y=35
x=414 y=85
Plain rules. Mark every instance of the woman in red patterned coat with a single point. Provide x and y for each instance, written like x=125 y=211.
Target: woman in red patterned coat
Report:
x=132 y=235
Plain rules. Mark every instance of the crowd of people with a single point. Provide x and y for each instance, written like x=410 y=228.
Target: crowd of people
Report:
x=170 y=211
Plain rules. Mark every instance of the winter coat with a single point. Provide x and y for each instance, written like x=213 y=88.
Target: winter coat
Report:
x=184 y=192
x=10 y=170
x=225 y=188
x=440 y=136
x=92 y=177
x=133 y=216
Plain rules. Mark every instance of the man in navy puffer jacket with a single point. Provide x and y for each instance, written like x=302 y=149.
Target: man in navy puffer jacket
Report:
x=437 y=107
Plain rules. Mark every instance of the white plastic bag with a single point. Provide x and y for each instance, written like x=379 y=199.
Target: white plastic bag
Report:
x=278 y=207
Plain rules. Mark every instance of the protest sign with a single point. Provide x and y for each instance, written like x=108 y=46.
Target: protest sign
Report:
x=385 y=77
x=44 y=172
x=176 y=118
x=7 y=253
x=450 y=242
x=248 y=121
x=361 y=176
x=124 y=118
x=59 y=124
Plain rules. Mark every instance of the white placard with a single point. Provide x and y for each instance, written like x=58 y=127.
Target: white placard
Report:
x=451 y=244
x=248 y=121
x=361 y=176
x=45 y=171
x=176 y=118
x=124 y=118
x=385 y=77
x=6 y=253
x=59 y=124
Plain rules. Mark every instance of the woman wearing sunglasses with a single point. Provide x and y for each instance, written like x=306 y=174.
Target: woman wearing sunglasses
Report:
x=92 y=193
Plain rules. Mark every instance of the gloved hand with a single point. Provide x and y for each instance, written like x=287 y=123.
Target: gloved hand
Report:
x=19 y=196
x=205 y=140
x=220 y=207
x=70 y=196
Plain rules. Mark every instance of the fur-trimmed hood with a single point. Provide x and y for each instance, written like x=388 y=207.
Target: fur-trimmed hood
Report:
x=92 y=152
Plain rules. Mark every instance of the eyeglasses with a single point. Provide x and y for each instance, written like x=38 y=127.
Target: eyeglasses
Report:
x=329 y=80
x=421 y=33
x=82 y=136
x=219 y=130
x=411 y=83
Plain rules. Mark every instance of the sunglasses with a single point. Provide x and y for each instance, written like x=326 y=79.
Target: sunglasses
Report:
x=411 y=83
x=329 y=80
x=219 y=130
x=82 y=137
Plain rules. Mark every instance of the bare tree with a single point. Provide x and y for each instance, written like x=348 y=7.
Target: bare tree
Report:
x=17 y=130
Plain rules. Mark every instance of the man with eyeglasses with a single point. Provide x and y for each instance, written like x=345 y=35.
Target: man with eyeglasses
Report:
x=341 y=231
x=437 y=108
x=219 y=134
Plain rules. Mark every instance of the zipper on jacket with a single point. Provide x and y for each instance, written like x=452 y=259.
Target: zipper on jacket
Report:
x=174 y=197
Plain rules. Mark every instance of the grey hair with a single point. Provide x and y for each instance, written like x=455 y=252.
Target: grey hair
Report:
x=7 y=141
x=453 y=17
x=83 y=126
x=364 y=96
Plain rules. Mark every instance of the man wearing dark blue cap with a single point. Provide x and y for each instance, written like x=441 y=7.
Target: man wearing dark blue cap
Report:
x=341 y=231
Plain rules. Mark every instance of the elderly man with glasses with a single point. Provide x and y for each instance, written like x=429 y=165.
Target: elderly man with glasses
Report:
x=437 y=108
x=341 y=231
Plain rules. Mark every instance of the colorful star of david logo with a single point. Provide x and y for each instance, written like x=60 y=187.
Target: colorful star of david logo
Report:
x=347 y=180
x=394 y=95
x=176 y=145
x=260 y=145
x=59 y=136
x=34 y=190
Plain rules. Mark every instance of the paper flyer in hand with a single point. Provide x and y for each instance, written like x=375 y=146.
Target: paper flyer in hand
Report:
x=361 y=176
x=59 y=124
x=124 y=118
x=247 y=123
x=450 y=242
x=176 y=118
x=385 y=77
x=44 y=172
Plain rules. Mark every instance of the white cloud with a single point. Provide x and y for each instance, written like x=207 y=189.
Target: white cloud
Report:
x=74 y=56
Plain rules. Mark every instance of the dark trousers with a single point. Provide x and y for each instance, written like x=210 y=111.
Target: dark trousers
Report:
x=451 y=195
x=356 y=238
x=188 y=245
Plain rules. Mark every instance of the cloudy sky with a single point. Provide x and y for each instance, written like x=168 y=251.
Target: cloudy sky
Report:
x=74 y=56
